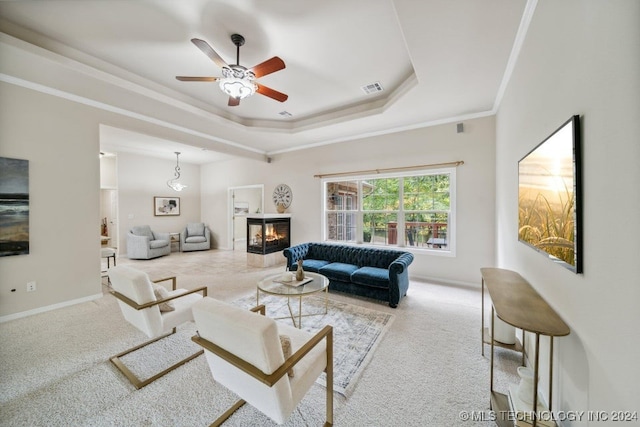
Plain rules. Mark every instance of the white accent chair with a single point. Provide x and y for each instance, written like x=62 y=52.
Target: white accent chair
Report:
x=142 y=308
x=142 y=243
x=195 y=237
x=245 y=354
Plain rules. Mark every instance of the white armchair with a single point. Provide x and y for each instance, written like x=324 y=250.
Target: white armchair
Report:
x=246 y=354
x=142 y=243
x=155 y=311
x=195 y=237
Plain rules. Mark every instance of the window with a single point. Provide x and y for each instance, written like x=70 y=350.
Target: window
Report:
x=341 y=208
x=412 y=211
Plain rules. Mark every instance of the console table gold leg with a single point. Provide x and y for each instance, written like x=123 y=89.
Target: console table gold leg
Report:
x=550 y=372
x=536 y=372
x=492 y=341
x=524 y=349
x=482 y=321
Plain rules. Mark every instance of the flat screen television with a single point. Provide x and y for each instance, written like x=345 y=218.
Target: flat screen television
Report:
x=549 y=197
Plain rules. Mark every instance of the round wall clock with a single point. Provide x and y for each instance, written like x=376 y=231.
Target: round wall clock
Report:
x=282 y=195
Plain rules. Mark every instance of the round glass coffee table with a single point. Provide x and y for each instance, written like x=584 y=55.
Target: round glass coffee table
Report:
x=272 y=285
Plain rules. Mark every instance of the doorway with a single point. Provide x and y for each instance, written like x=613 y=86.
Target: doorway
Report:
x=108 y=201
x=108 y=217
x=243 y=201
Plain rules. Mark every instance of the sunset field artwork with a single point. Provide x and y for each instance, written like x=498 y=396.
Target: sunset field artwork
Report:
x=547 y=209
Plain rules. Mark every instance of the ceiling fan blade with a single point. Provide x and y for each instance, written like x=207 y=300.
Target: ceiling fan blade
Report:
x=208 y=50
x=197 y=79
x=271 y=93
x=267 y=67
x=233 y=102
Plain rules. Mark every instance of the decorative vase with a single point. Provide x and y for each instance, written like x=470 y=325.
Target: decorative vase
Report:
x=525 y=388
x=299 y=271
x=504 y=332
x=280 y=208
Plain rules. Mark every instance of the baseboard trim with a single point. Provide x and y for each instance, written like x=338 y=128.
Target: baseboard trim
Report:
x=39 y=310
x=441 y=281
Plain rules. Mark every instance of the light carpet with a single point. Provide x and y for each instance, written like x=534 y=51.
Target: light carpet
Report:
x=425 y=370
x=356 y=332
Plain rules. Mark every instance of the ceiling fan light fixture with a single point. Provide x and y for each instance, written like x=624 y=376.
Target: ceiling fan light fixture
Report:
x=237 y=88
x=237 y=82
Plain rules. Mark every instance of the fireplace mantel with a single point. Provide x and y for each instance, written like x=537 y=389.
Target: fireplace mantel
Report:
x=268 y=216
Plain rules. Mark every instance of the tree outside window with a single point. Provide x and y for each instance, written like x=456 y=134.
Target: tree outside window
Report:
x=406 y=211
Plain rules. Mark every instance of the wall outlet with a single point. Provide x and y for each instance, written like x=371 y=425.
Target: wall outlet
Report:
x=31 y=286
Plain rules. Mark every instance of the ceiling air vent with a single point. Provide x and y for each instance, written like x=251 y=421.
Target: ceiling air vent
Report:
x=372 y=88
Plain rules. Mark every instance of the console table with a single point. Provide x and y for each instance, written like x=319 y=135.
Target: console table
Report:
x=515 y=302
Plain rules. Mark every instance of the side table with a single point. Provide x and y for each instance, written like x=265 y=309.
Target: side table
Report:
x=175 y=239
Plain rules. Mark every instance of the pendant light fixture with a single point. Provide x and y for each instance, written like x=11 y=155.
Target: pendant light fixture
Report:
x=173 y=183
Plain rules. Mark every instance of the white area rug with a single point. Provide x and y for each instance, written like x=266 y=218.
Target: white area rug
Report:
x=356 y=332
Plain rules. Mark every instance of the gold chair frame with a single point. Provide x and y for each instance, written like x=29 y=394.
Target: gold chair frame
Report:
x=137 y=382
x=270 y=380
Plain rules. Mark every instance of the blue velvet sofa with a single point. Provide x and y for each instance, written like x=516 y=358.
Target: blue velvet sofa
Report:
x=380 y=274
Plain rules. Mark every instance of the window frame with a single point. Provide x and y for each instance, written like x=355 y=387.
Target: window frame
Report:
x=401 y=242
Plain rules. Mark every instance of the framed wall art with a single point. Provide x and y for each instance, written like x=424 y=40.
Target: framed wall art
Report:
x=14 y=206
x=166 y=206
x=241 y=208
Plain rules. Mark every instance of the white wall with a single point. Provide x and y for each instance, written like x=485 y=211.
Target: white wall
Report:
x=60 y=141
x=140 y=179
x=108 y=170
x=475 y=188
x=582 y=57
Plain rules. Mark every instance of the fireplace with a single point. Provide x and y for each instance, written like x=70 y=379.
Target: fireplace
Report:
x=268 y=233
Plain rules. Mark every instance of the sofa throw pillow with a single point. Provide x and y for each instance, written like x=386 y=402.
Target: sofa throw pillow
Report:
x=195 y=229
x=161 y=293
x=285 y=342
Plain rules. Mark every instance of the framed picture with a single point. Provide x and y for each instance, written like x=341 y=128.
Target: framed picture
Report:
x=165 y=206
x=241 y=208
x=14 y=206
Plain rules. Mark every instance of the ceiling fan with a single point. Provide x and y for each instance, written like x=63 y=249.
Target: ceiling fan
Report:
x=237 y=81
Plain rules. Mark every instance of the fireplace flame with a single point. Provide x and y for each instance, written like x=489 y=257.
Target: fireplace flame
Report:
x=271 y=234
